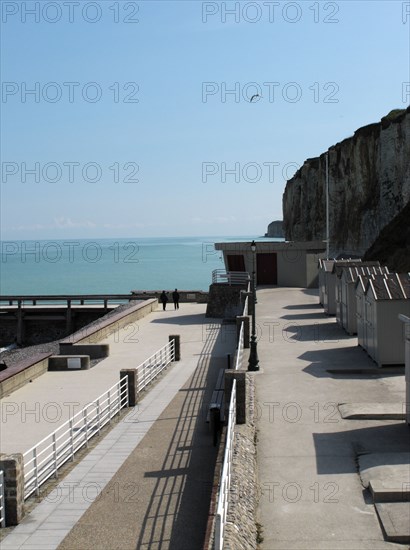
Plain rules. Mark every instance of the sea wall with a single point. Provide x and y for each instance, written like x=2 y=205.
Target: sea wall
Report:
x=369 y=184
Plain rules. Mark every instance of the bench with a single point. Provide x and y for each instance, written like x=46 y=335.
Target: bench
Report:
x=216 y=407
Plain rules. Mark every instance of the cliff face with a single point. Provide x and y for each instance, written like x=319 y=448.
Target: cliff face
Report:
x=369 y=184
x=392 y=246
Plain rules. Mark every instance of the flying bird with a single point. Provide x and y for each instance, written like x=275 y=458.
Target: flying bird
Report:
x=254 y=97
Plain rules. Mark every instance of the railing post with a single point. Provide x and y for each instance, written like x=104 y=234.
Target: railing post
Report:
x=131 y=385
x=12 y=467
x=72 y=439
x=176 y=348
x=109 y=406
x=86 y=426
x=55 y=455
x=35 y=467
x=98 y=416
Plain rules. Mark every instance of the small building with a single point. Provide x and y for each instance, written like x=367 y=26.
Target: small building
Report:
x=360 y=291
x=325 y=267
x=346 y=302
x=385 y=299
x=406 y=321
x=291 y=264
x=331 y=269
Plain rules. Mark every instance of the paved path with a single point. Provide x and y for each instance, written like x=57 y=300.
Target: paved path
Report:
x=311 y=494
x=38 y=408
x=137 y=487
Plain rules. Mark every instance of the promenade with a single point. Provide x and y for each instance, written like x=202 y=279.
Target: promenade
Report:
x=311 y=495
x=147 y=483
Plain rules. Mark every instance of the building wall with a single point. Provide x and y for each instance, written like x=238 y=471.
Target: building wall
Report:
x=292 y=268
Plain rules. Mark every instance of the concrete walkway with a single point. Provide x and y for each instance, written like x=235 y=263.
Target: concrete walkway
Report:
x=40 y=407
x=147 y=484
x=311 y=495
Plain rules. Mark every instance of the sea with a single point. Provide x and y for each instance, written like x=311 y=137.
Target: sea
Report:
x=109 y=266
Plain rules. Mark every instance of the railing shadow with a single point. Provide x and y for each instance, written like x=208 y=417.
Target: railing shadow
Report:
x=177 y=513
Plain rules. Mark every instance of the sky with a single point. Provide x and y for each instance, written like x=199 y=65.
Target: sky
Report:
x=134 y=119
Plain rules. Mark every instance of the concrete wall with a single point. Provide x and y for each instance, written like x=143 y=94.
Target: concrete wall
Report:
x=185 y=296
x=100 y=331
x=225 y=301
x=292 y=268
x=15 y=377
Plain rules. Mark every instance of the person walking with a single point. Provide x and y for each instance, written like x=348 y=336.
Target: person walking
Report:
x=163 y=299
x=175 y=297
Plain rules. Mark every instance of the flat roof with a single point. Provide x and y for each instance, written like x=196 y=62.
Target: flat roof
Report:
x=239 y=246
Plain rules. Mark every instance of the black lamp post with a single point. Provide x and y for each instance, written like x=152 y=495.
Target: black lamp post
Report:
x=253 y=364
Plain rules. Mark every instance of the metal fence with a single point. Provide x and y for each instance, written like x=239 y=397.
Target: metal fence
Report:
x=2 y=501
x=44 y=459
x=230 y=277
x=225 y=482
x=151 y=368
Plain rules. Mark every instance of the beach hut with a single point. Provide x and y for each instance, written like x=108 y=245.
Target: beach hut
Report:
x=385 y=299
x=346 y=302
x=360 y=291
x=332 y=268
x=406 y=321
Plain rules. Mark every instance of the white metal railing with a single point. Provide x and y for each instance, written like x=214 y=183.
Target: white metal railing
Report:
x=239 y=351
x=246 y=307
x=225 y=481
x=43 y=460
x=2 y=501
x=230 y=277
x=150 y=369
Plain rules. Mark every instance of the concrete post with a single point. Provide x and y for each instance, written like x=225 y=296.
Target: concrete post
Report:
x=68 y=324
x=132 y=380
x=13 y=468
x=245 y=320
x=177 y=345
x=241 y=409
x=20 y=325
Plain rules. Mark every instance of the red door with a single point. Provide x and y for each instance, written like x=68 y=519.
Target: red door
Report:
x=236 y=262
x=266 y=269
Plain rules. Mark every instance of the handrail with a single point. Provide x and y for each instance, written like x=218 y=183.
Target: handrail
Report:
x=2 y=501
x=151 y=367
x=45 y=458
x=239 y=352
x=68 y=298
x=225 y=481
x=230 y=277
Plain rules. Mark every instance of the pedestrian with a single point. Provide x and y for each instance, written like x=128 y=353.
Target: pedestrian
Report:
x=175 y=297
x=164 y=299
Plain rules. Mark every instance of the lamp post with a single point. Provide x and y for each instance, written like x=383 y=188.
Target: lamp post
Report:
x=253 y=364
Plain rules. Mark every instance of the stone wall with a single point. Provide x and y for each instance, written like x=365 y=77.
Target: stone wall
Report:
x=369 y=184
x=241 y=529
x=224 y=301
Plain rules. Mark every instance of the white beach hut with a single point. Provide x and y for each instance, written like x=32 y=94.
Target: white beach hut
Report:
x=406 y=321
x=360 y=291
x=386 y=298
x=346 y=302
x=332 y=267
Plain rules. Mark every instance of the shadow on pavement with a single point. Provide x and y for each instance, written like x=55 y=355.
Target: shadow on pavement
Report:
x=177 y=513
x=331 y=447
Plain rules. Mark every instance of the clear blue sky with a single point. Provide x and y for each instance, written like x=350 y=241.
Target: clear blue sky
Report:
x=347 y=61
